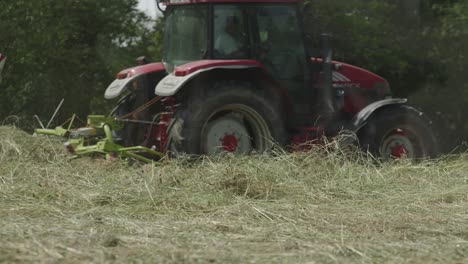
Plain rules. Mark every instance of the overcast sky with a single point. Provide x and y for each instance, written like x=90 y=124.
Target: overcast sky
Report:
x=149 y=6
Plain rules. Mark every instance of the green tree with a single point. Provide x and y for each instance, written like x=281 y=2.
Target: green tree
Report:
x=419 y=46
x=68 y=49
x=450 y=50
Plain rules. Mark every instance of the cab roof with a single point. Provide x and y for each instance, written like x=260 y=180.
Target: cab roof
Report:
x=183 y=2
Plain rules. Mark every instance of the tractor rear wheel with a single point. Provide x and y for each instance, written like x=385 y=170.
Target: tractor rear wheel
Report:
x=228 y=118
x=399 y=132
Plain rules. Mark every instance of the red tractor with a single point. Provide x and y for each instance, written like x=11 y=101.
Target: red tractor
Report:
x=237 y=77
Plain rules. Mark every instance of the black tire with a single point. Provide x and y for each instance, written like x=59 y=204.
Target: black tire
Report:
x=399 y=131
x=228 y=102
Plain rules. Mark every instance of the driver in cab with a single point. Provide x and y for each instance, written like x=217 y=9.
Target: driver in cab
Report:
x=228 y=44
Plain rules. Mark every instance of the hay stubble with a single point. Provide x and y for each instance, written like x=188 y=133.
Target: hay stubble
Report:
x=317 y=207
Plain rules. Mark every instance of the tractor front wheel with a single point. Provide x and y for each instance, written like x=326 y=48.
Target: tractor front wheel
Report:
x=228 y=118
x=399 y=132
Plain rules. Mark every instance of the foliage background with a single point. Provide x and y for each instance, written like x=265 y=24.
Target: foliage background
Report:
x=72 y=49
x=420 y=46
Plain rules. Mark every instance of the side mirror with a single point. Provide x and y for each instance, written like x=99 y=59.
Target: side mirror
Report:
x=158 y=5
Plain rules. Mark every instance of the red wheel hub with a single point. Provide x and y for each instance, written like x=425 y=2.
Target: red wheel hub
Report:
x=230 y=143
x=399 y=151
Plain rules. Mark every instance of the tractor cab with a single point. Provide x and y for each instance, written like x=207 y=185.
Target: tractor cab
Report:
x=236 y=77
x=270 y=33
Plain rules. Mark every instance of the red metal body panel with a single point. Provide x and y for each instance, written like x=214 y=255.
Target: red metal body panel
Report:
x=144 y=69
x=192 y=67
x=364 y=78
x=185 y=2
x=157 y=135
x=359 y=78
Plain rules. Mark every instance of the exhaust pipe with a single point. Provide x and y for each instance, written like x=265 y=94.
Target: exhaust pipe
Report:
x=327 y=106
x=2 y=64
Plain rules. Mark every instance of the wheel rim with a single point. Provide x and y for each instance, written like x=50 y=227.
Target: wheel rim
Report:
x=236 y=129
x=227 y=134
x=401 y=144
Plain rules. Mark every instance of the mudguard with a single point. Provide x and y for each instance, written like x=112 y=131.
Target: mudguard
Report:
x=172 y=83
x=360 y=119
x=127 y=76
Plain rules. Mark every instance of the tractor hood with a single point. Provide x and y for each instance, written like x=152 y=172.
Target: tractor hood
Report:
x=349 y=75
x=352 y=76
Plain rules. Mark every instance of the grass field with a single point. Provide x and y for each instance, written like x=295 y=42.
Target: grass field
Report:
x=317 y=207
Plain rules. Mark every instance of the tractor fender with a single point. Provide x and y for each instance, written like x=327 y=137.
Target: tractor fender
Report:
x=127 y=76
x=360 y=118
x=173 y=82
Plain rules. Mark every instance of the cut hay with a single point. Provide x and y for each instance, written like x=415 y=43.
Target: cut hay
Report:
x=318 y=207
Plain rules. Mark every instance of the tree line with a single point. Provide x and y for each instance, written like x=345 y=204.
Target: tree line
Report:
x=72 y=49
x=68 y=49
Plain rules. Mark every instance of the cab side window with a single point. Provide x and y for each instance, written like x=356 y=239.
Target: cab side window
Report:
x=280 y=41
x=230 y=37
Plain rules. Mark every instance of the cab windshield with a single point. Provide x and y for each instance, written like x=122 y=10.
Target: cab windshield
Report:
x=186 y=35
